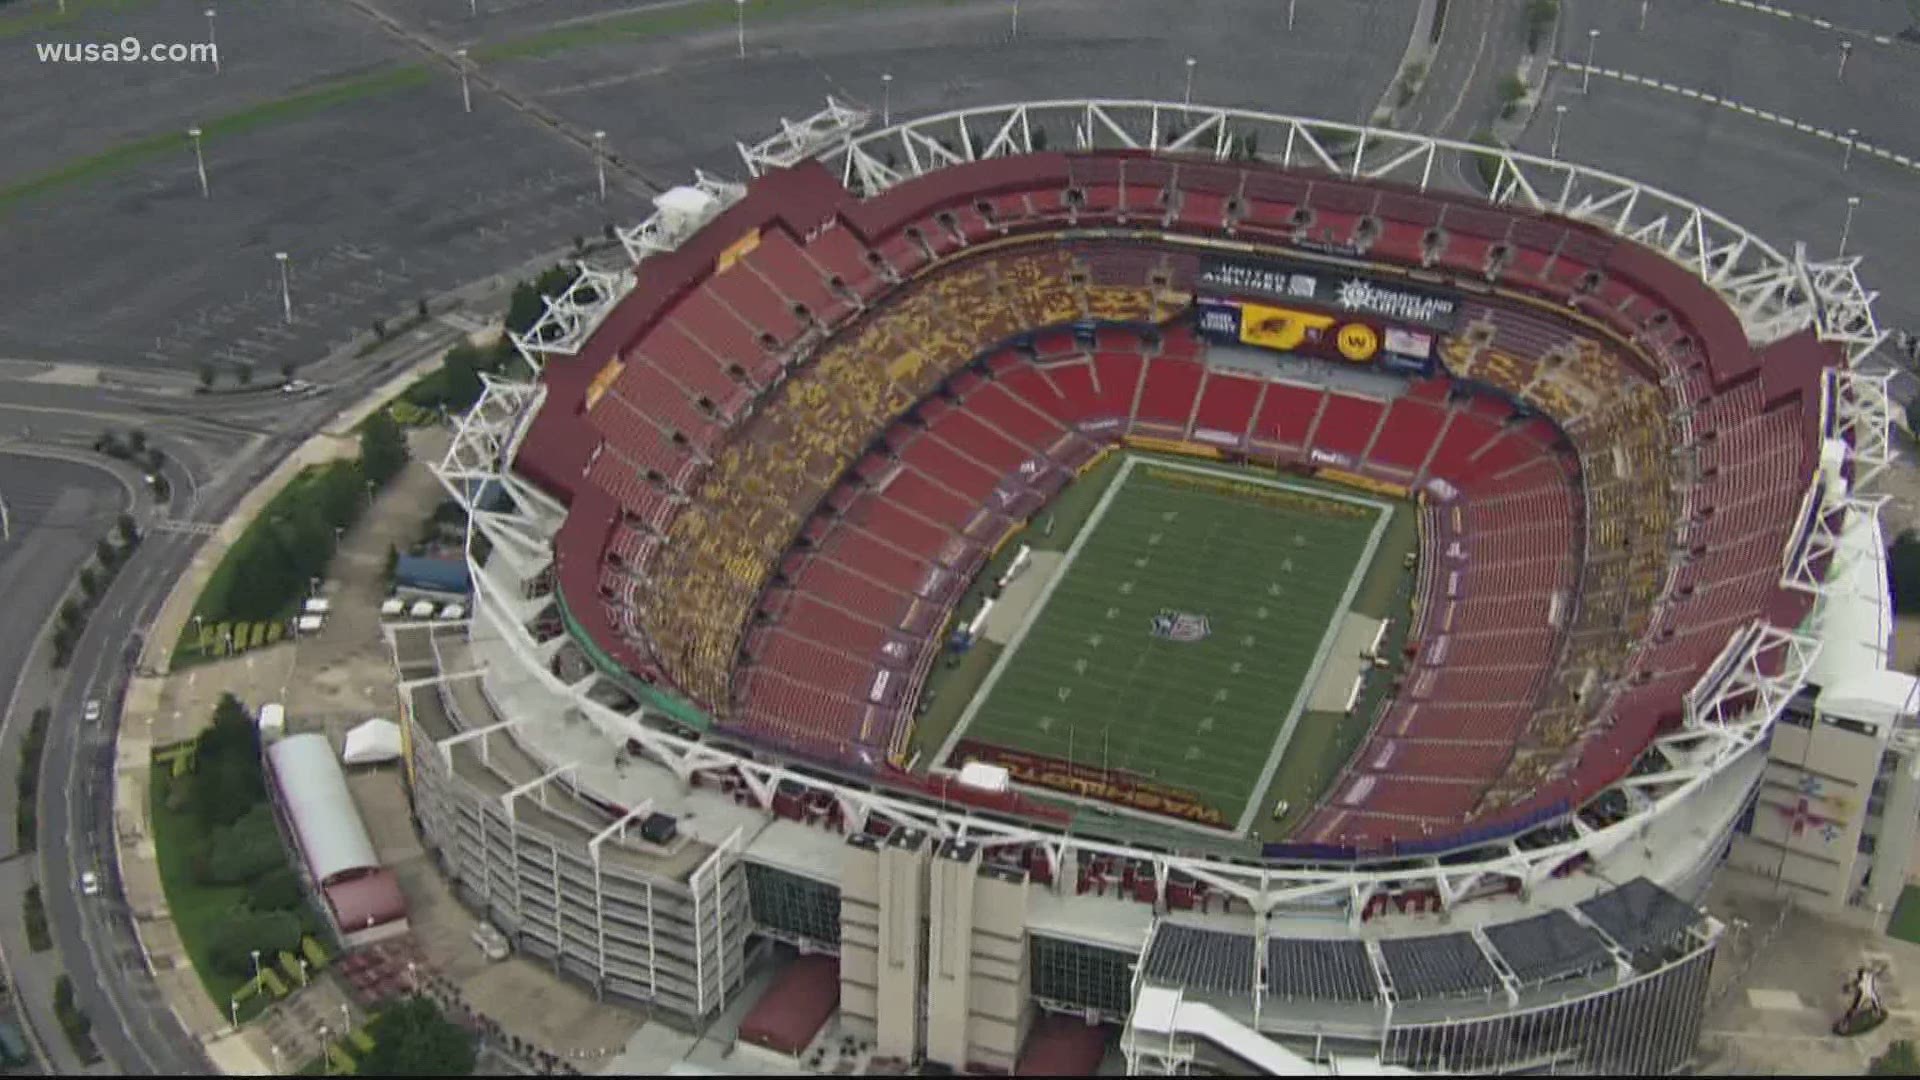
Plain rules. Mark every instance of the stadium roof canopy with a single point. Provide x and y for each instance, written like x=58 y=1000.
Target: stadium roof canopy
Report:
x=326 y=824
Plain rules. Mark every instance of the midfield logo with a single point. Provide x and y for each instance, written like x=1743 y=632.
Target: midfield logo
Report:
x=1180 y=625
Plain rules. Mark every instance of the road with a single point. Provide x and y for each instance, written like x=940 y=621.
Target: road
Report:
x=216 y=453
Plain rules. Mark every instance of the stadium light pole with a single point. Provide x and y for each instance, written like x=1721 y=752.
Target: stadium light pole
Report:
x=1643 y=15
x=466 y=92
x=286 y=290
x=1846 y=230
x=1846 y=50
x=1189 y=96
x=1290 y=16
x=740 y=25
x=1559 y=115
x=886 y=99
x=212 y=45
x=1586 y=73
x=600 y=160
x=1016 y=18
x=1846 y=163
x=199 y=161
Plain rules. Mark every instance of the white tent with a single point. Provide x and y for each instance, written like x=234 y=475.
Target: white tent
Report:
x=371 y=742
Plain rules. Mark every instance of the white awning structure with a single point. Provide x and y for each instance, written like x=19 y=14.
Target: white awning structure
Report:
x=313 y=792
x=372 y=742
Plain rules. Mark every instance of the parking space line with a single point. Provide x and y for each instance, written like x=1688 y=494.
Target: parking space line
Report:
x=1864 y=147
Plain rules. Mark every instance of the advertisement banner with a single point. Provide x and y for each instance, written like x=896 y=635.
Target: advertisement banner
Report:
x=1285 y=329
x=1409 y=343
x=1218 y=319
x=1355 y=294
x=1107 y=785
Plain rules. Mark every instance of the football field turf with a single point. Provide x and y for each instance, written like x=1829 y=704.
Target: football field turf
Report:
x=1179 y=638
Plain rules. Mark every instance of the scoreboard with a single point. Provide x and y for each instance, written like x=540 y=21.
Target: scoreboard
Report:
x=1332 y=315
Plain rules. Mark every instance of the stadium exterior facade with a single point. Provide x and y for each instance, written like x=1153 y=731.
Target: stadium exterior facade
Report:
x=641 y=857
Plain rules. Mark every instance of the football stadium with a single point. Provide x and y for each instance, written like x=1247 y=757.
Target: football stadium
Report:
x=1087 y=578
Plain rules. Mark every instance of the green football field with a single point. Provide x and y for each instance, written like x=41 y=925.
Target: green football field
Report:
x=1246 y=577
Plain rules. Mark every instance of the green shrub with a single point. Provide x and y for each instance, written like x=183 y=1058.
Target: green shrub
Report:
x=276 y=890
x=243 y=851
x=231 y=952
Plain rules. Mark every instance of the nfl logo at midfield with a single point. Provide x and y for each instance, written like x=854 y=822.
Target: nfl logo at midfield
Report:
x=1180 y=625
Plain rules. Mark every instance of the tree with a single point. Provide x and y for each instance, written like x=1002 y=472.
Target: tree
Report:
x=128 y=529
x=206 y=376
x=1899 y=1060
x=414 y=1038
x=276 y=890
x=243 y=851
x=459 y=383
x=337 y=492
x=420 y=307
x=108 y=554
x=244 y=373
x=1903 y=572
x=227 y=781
x=383 y=449
x=524 y=308
x=89 y=581
x=1913 y=417
x=137 y=441
x=380 y=329
x=235 y=941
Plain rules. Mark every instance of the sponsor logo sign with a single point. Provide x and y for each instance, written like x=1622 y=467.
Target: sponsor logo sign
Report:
x=1357 y=342
x=1107 y=785
x=1285 y=329
x=1340 y=290
x=1411 y=343
x=1220 y=320
x=1181 y=626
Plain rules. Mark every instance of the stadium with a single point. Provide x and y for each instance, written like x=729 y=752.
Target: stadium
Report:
x=1228 y=589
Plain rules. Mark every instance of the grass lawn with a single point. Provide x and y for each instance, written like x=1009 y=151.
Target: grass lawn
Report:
x=210 y=605
x=1190 y=706
x=957 y=678
x=1324 y=742
x=1905 y=923
x=198 y=910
